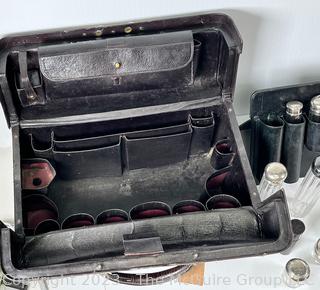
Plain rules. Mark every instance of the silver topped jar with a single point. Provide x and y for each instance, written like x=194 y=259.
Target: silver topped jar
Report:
x=294 y=111
x=314 y=112
x=272 y=180
x=296 y=273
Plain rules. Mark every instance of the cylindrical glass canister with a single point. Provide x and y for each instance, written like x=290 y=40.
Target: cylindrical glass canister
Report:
x=316 y=252
x=294 y=112
x=296 y=273
x=272 y=180
x=308 y=192
x=314 y=112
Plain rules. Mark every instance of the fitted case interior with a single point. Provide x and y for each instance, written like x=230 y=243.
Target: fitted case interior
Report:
x=127 y=120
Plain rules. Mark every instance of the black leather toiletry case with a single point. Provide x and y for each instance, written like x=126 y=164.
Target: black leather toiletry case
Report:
x=127 y=152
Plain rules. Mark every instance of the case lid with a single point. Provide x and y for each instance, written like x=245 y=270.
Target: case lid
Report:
x=63 y=76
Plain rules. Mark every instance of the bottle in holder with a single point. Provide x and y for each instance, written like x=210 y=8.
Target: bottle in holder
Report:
x=296 y=273
x=309 y=191
x=294 y=112
x=314 y=112
x=272 y=180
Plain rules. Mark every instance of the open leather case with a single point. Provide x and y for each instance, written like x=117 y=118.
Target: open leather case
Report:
x=127 y=152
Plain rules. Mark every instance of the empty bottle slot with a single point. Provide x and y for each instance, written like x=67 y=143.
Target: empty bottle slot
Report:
x=202 y=134
x=267 y=142
x=188 y=206
x=292 y=148
x=77 y=220
x=112 y=216
x=150 y=209
x=38 y=213
x=223 y=154
x=200 y=121
x=215 y=182
x=312 y=140
x=222 y=201
x=46 y=226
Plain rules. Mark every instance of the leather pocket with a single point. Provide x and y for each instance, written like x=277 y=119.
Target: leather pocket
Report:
x=145 y=150
x=313 y=136
x=292 y=147
x=118 y=64
x=202 y=134
x=103 y=161
x=267 y=142
x=86 y=143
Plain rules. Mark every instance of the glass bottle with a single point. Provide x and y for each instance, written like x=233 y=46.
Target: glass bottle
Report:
x=308 y=192
x=316 y=252
x=272 y=180
x=314 y=112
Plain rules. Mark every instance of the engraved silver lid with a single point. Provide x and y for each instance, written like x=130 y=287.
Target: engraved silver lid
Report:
x=275 y=172
x=315 y=105
x=294 y=108
x=298 y=270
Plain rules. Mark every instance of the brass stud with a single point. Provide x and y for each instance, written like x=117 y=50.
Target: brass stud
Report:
x=117 y=65
x=128 y=29
x=31 y=97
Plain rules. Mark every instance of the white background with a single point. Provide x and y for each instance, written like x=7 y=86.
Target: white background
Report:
x=281 y=47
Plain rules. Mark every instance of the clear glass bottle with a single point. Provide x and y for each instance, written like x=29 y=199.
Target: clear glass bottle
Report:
x=272 y=180
x=316 y=252
x=314 y=112
x=296 y=273
x=293 y=112
x=308 y=192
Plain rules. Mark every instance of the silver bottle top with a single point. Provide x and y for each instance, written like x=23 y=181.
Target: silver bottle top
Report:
x=315 y=105
x=298 y=270
x=275 y=172
x=294 y=108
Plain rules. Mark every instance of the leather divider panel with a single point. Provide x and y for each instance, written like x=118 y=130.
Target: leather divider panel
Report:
x=156 y=151
x=109 y=155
